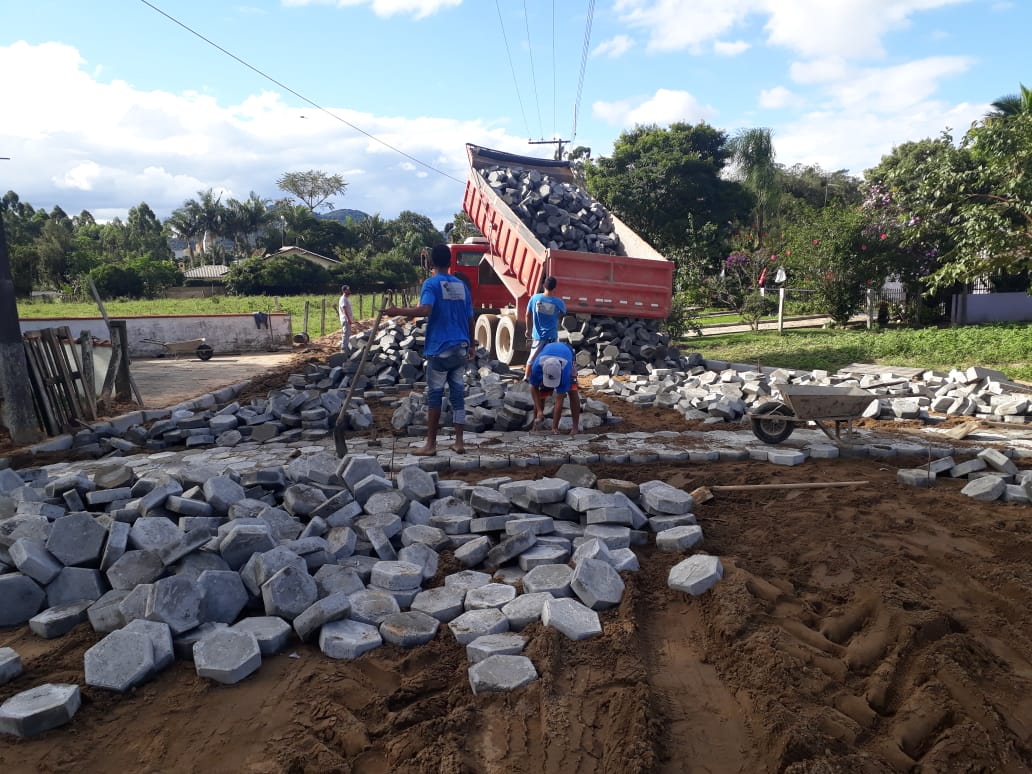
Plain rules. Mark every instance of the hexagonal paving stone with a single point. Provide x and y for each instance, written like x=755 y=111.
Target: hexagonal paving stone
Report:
x=371 y=607
x=39 y=709
x=571 y=618
x=490 y=595
x=409 y=629
x=597 y=584
x=504 y=644
x=20 y=599
x=227 y=656
x=224 y=595
x=501 y=673
x=273 y=633
x=289 y=593
x=176 y=601
x=120 y=661
x=476 y=623
x=77 y=539
x=696 y=574
x=348 y=639
x=443 y=603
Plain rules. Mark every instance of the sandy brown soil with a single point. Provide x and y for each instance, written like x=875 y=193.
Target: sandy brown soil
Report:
x=868 y=629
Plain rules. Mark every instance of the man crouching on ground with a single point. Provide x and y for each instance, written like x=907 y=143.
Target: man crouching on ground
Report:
x=450 y=344
x=553 y=372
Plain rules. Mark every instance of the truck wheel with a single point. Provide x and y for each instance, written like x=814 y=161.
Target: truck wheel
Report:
x=484 y=333
x=511 y=345
x=768 y=425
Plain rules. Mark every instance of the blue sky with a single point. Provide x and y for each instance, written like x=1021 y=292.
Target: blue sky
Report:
x=110 y=103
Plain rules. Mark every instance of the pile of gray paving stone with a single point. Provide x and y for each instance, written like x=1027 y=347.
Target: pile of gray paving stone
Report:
x=561 y=215
x=224 y=568
x=716 y=391
x=991 y=475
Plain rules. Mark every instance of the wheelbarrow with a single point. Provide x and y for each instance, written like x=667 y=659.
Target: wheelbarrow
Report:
x=774 y=421
x=191 y=347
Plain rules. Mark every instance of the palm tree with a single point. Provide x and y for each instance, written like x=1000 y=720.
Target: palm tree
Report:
x=373 y=233
x=209 y=212
x=183 y=223
x=250 y=218
x=752 y=156
x=1012 y=105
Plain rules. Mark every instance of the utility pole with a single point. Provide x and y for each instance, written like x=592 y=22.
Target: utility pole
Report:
x=557 y=143
x=17 y=413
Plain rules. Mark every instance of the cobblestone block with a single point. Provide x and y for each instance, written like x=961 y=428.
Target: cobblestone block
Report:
x=135 y=568
x=596 y=583
x=489 y=595
x=409 y=629
x=612 y=535
x=443 y=603
x=476 y=623
x=985 y=489
x=553 y=579
x=696 y=574
x=227 y=656
x=33 y=559
x=371 y=606
x=466 y=579
x=116 y=544
x=505 y=644
x=106 y=614
x=509 y=549
x=225 y=595
x=220 y=492
x=416 y=484
x=272 y=633
x=10 y=665
x=177 y=602
x=160 y=637
x=571 y=618
x=152 y=533
x=348 y=639
x=58 y=621
x=501 y=673
x=77 y=540
x=71 y=585
x=120 y=661
x=289 y=592
x=525 y=609
x=40 y=709
x=679 y=538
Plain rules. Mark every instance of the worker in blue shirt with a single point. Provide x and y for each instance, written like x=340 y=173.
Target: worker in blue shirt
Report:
x=545 y=311
x=553 y=372
x=450 y=344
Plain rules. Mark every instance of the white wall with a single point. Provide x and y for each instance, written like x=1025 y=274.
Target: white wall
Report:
x=225 y=333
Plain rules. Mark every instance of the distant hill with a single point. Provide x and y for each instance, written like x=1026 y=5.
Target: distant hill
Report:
x=341 y=216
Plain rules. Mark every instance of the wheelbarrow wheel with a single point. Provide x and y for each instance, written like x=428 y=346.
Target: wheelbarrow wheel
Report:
x=204 y=351
x=768 y=426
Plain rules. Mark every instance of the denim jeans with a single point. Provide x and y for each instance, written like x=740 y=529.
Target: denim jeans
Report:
x=447 y=367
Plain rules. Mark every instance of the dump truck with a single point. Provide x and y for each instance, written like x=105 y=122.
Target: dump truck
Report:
x=507 y=265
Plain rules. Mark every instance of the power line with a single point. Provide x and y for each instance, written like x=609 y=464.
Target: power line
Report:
x=300 y=96
x=508 y=53
x=533 y=74
x=583 y=66
x=555 y=77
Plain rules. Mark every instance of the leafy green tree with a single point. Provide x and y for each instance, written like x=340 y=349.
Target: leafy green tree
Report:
x=145 y=235
x=281 y=274
x=460 y=228
x=827 y=250
x=115 y=281
x=373 y=234
x=667 y=183
x=154 y=275
x=313 y=187
x=54 y=247
x=411 y=232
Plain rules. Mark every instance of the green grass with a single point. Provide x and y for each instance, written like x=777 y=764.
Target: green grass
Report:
x=1005 y=347
x=364 y=306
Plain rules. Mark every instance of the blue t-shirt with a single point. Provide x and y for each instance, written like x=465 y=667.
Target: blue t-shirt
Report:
x=559 y=349
x=545 y=313
x=452 y=309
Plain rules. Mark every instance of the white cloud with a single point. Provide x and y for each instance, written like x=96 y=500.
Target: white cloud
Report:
x=418 y=8
x=857 y=139
x=665 y=107
x=614 y=47
x=730 y=48
x=898 y=88
x=779 y=97
x=852 y=29
x=105 y=147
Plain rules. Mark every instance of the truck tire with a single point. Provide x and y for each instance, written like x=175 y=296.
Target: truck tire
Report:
x=511 y=345
x=484 y=332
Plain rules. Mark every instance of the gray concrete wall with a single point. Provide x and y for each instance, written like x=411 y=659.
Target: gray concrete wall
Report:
x=223 y=332
x=969 y=308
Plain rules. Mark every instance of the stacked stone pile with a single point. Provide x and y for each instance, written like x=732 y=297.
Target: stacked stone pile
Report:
x=561 y=215
x=224 y=569
x=991 y=475
x=715 y=391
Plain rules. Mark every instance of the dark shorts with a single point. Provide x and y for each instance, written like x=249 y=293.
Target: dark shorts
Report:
x=546 y=391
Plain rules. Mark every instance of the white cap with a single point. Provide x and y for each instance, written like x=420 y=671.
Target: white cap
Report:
x=551 y=372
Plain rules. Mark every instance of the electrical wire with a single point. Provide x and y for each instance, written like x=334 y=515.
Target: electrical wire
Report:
x=555 y=77
x=508 y=53
x=533 y=74
x=583 y=66
x=300 y=96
